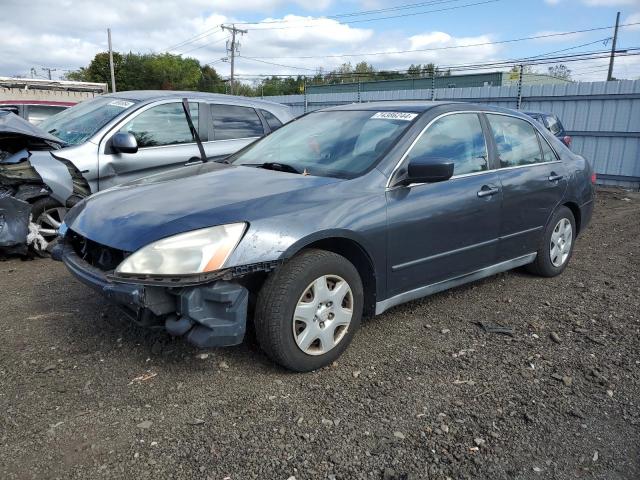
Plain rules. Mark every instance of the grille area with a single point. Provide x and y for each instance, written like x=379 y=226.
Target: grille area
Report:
x=95 y=254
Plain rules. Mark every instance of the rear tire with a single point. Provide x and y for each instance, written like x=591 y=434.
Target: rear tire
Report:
x=308 y=310
x=556 y=245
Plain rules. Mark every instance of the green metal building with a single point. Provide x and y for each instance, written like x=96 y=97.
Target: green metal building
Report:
x=491 y=79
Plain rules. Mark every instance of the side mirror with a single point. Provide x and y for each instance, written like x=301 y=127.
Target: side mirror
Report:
x=428 y=170
x=123 y=142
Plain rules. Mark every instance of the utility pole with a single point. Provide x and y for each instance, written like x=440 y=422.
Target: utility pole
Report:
x=48 y=70
x=233 y=49
x=613 y=48
x=113 y=76
x=520 y=76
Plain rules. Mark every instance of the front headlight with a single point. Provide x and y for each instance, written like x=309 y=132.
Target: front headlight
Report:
x=194 y=252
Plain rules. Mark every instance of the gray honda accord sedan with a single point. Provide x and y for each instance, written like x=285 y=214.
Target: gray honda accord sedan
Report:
x=341 y=214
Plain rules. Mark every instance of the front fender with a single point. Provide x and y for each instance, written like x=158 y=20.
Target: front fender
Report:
x=54 y=174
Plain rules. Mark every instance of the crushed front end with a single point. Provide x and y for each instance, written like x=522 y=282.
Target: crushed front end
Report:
x=209 y=311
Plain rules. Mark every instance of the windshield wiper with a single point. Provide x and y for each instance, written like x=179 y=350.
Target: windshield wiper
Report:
x=280 y=167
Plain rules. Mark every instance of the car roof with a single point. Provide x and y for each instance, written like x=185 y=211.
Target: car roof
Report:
x=151 y=95
x=538 y=113
x=419 y=106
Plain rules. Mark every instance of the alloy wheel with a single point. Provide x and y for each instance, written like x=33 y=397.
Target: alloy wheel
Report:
x=561 y=241
x=323 y=314
x=49 y=222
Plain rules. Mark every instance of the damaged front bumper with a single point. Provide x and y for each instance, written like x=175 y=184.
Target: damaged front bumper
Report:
x=212 y=314
x=14 y=224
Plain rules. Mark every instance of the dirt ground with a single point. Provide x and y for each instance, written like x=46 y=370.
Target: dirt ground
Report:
x=423 y=391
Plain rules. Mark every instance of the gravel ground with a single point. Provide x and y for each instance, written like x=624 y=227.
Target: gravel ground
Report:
x=423 y=391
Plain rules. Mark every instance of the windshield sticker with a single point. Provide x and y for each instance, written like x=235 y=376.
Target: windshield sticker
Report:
x=406 y=116
x=121 y=103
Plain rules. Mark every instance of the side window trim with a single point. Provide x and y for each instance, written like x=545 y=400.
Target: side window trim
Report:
x=265 y=124
x=555 y=154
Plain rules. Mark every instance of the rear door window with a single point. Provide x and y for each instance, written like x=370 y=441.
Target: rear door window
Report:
x=232 y=121
x=516 y=141
x=547 y=152
x=271 y=119
x=162 y=125
x=457 y=138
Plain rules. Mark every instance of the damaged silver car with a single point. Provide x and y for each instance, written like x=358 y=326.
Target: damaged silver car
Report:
x=110 y=140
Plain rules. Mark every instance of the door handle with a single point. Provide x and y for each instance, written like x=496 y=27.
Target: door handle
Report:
x=554 y=178
x=193 y=161
x=487 y=191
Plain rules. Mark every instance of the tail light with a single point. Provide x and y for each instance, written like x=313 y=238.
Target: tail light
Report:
x=593 y=178
x=567 y=140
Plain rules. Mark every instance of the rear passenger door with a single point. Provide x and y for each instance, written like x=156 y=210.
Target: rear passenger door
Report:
x=232 y=127
x=533 y=183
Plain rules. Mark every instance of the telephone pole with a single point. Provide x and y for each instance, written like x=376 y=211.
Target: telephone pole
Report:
x=48 y=70
x=233 y=48
x=113 y=77
x=613 y=49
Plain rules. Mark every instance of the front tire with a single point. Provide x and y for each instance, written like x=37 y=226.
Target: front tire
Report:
x=308 y=310
x=48 y=215
x=556 y=246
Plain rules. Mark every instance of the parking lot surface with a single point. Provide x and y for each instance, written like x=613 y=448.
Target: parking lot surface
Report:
x=424 y=391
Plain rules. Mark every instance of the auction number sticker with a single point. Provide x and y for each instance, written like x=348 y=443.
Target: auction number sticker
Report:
x=406 y=116
x=121 y=103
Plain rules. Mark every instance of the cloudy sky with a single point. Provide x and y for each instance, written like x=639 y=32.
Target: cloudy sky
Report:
x=297 y=37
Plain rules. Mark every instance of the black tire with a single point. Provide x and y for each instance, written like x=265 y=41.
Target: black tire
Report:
x=543 y=265
x=37 y=209
x=279 y=296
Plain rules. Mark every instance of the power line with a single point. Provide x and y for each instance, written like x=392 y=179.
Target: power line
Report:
x=382 y=18
x=279 y=64
x=194 y=38
x=630 y=52
x=205 y=45
x=450 y=47
x=358 y=13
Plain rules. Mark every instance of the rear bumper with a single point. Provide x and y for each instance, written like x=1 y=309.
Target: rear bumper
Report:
x=209 y=315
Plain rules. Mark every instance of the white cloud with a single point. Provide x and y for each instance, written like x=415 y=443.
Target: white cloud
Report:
x=68 y=34
x=633 y=18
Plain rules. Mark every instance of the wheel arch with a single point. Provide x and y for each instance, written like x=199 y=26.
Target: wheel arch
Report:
x=577 y=215
x=349 y=246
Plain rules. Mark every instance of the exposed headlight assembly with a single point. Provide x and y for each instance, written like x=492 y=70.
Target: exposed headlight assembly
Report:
x=190 y=253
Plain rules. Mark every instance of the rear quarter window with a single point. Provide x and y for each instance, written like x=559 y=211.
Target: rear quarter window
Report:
x=271 y=119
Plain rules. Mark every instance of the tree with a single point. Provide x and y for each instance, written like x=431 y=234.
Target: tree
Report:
x=560 y=71
x=135 y=71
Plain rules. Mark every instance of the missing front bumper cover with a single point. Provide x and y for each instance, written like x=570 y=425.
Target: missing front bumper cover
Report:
x=208 y=315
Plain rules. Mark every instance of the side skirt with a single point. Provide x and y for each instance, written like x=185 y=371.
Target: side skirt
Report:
x=453 y=282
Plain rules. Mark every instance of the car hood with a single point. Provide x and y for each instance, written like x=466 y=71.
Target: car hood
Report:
x=13 y=126
x=132 y=215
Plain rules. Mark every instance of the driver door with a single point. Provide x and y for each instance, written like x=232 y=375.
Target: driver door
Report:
x=440 y=231
x=164 y=142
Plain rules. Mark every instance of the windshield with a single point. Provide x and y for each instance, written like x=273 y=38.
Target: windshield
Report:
x=338 y=143
x=76 y=124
